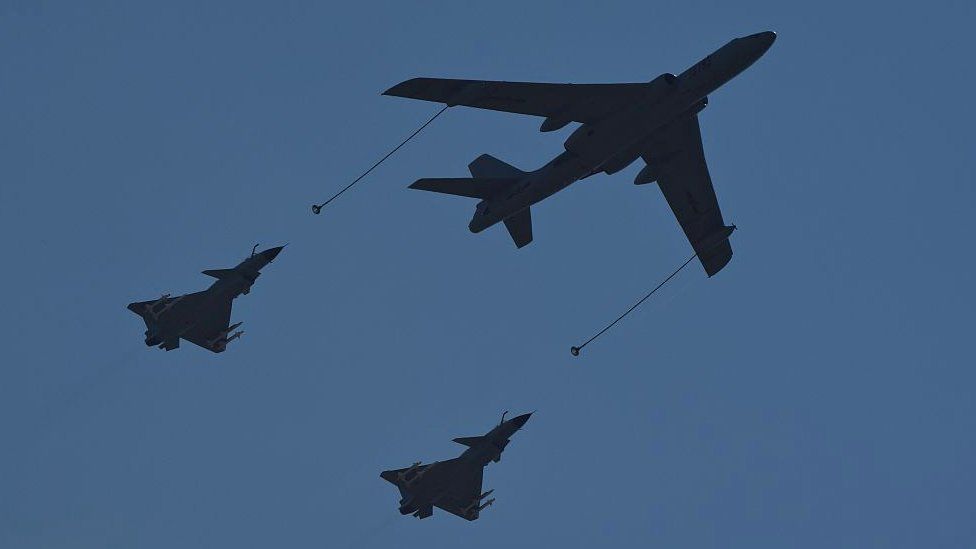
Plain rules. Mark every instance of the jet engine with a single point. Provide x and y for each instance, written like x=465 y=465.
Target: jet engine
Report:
x=554 y=123
x=407 y=505
x=152 y=339
x=649 y=174
x=619 y=162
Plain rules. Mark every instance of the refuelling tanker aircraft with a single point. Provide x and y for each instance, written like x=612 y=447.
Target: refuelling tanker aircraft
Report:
x=656 y=121
x=203 y=318
x=454 y=485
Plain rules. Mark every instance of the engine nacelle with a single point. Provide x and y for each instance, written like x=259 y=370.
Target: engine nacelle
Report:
x=619 y=162
x=649 y=174
x=659 y=159
x=554 y=123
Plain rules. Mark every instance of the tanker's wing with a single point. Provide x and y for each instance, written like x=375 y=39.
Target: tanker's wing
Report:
x=562 y=103
x=684 y=180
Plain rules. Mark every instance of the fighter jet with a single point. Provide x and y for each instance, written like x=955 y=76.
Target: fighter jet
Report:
x=454 y=485
x=202 y=318
x=656 y=121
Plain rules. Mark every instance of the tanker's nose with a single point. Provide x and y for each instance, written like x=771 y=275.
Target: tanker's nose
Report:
x=763 y=40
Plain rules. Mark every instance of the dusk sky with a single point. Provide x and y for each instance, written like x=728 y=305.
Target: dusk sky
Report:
x=817 y=392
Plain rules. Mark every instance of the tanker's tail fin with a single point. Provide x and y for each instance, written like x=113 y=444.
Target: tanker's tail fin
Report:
x=487 y=165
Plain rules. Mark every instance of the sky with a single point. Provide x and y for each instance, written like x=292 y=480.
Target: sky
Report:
x=815 y=393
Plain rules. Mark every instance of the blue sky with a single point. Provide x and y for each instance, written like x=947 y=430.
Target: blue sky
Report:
x=817 y=392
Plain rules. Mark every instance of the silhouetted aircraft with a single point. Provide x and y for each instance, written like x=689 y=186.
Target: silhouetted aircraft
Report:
x=656 y=121
x=202 y=318
x=454 y=485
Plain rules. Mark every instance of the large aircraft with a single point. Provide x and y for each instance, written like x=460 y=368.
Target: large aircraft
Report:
x=202 y=318
x=656 y=121
x=454 y=485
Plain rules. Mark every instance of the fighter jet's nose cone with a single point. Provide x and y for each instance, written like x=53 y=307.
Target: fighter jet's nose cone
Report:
x=272 y=253
x=519 y=421
x=764 y=39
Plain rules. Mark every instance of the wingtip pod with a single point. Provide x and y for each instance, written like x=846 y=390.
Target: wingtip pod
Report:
x=715 y=251
x=398 y=90
x=449 y=91
x=715 y=238
x=414 y=88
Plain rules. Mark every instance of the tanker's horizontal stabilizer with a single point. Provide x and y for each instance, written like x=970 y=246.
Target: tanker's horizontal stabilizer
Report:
x=520 y=227
x=465 y=186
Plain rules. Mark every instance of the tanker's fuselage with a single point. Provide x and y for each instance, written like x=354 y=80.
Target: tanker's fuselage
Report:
x=618 y=139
